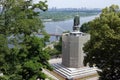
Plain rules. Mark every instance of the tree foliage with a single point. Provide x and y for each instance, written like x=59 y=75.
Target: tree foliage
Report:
x=103 y=49
x=85 y=27
x=22 y=56
x=58 y=47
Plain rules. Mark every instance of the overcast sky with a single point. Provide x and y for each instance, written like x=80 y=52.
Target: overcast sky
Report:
x=80 y=3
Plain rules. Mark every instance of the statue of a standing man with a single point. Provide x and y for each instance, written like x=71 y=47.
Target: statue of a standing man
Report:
x=76 y=23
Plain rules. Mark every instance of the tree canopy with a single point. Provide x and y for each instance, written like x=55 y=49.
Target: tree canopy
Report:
x=103 y=49
x=85 y=27
x=22 y=56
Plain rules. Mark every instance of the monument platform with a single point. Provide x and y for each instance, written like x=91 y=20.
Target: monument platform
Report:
x=72 y=73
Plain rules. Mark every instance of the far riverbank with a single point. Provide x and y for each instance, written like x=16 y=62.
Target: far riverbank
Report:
x=61 y=26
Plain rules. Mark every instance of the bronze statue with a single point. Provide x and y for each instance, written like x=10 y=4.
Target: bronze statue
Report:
x=76 y=23
x=76 y=20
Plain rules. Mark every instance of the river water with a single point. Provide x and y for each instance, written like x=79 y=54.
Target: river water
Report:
x=61 y=26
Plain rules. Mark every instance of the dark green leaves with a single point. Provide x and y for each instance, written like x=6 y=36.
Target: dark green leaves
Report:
x=103 y=49
x=22 y=54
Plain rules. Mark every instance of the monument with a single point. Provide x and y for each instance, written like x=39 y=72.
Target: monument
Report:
x=71 y=67
x=72 y=44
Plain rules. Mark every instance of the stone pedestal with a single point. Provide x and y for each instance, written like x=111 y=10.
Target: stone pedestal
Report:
x=72 y=52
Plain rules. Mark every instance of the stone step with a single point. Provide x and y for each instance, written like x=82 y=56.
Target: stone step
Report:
x=86 y=69
x=76 y=69
x=67 y=70
x=59 y=69
x=73 y=72
x=61 y=73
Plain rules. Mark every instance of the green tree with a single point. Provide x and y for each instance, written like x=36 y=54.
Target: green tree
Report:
x=58 y=47
x=22 y=56
x=85 y=27
x=103 y=49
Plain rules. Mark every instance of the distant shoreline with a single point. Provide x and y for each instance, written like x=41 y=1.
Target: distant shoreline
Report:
x=51 y=20
x=50 y=16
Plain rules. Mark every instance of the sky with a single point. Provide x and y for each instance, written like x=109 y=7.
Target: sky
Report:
x=80 y=3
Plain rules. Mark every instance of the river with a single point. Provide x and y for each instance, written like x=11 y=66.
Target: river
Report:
x=61 y=26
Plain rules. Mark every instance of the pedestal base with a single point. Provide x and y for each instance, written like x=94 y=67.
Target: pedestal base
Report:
x=72 y=73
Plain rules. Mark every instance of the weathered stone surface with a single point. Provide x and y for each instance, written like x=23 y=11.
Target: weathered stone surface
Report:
x=72 y=52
